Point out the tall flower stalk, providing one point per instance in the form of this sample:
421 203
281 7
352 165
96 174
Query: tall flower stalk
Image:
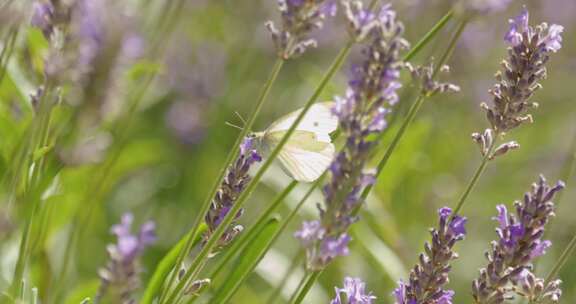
430 275
519 243
299 19
529 51
361 113
235 182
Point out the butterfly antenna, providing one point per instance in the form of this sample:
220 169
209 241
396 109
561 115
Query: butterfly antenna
233 125
240 117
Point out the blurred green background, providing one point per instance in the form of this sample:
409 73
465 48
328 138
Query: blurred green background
212 65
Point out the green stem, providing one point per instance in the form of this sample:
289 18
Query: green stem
307 286
338 61
254 182
566 175
429 35
165 266
417 104
291 269
476 176
240 243
36 140
566 254
277 233
231 156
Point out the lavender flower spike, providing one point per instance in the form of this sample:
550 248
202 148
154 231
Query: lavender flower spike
427 279
529 51
519 243
361 114
232 186
120 277
299 19
354 289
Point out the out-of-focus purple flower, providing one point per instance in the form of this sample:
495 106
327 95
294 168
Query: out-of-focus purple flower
120 278
195 82
525 68
299 19
311 232
355 291
42 15
519 243
361 114
428 277
487 6
231 188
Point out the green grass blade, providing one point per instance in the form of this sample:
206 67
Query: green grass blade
164 268
248 260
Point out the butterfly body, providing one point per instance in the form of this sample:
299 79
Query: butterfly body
309 150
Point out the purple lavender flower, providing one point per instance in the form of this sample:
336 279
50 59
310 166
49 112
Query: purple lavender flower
232 186
120 277
536 290
528 54
354 289
43 13
299 19
361 113
428 277
519 243
487 6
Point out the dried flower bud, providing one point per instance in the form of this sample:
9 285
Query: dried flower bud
504 148
424 75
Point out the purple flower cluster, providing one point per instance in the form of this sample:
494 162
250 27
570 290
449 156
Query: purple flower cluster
519 243
428 277
120 277
232 186
361 114
354 289
299 19
526 66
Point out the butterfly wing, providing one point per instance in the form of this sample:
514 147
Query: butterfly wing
319 120
304 157
309 150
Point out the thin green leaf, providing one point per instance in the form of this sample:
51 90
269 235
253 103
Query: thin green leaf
165 266
248 260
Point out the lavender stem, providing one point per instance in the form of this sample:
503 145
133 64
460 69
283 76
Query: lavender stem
206 205
476 176
239 203
310 280
418 103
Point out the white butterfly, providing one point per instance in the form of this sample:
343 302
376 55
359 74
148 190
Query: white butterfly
309 150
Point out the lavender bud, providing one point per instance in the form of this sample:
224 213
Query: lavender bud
235 181
519 242
197 286
427 279
120 278
361 114
424 76
526 66
354 291
504 148
535 289
299 18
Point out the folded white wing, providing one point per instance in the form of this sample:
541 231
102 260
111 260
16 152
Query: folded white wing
319 119
304 165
